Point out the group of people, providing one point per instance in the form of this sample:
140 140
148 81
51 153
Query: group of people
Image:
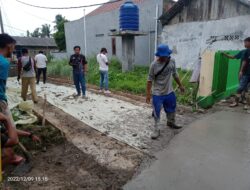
162 70
30 70
159 85
80 69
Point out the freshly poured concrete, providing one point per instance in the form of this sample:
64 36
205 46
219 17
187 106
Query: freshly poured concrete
211 154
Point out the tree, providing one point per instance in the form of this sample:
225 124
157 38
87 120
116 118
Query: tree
28 33
45 31
36 33
59 35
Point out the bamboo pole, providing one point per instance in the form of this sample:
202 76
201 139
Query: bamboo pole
44 109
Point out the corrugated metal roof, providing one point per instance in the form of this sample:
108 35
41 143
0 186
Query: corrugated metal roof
246 2
173 11
178 7
110 7
36 42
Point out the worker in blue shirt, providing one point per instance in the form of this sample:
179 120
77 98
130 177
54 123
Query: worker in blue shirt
7 46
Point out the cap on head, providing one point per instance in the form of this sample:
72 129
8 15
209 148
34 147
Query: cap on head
163 51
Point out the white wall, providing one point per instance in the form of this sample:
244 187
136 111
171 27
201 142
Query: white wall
103 23
189 39
59 55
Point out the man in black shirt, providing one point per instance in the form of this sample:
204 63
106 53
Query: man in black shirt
79 64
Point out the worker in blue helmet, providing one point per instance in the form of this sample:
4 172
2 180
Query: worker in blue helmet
161 73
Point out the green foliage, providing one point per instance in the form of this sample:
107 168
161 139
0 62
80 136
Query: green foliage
60 68
59 35
36 33
131 82
28 33
44 31
50 57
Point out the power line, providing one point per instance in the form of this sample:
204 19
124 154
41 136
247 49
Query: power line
6 18
78 7
38 17
15 28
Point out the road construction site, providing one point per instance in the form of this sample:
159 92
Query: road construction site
106 138
103 142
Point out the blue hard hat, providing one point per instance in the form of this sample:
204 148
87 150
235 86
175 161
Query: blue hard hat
163 51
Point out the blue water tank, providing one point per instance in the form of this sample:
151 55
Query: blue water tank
129 16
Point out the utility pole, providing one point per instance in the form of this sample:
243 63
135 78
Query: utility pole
85 31
1 21
156 26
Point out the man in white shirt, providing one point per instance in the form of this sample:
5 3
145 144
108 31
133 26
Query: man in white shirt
103 67
41 64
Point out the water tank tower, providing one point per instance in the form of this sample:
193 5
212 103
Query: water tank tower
128 29
129 16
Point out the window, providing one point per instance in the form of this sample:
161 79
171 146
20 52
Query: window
99 35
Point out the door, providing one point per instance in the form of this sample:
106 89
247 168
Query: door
114 46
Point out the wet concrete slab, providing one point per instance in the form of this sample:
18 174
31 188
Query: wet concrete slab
211 154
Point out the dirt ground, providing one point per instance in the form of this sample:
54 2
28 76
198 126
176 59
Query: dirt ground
58 164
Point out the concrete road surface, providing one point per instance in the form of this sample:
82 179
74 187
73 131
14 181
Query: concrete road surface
211 154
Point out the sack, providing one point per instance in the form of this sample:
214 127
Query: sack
28 66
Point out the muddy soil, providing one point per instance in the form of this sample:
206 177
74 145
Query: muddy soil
58 164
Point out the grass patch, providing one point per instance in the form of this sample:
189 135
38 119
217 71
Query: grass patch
133 82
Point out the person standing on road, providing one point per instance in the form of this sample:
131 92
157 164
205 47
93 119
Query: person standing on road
244 74
104 68
79 64
41 65
240 56
26 69
160 77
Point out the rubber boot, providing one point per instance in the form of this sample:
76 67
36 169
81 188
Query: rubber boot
171 121
156 132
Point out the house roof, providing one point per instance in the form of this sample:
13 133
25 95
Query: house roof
36 42
246 2
178 7
111 6
173 11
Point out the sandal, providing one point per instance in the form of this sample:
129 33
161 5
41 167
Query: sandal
16 160
233 105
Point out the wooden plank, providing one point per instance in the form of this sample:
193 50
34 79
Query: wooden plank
206 75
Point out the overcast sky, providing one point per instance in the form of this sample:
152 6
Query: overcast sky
22 18
19 18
